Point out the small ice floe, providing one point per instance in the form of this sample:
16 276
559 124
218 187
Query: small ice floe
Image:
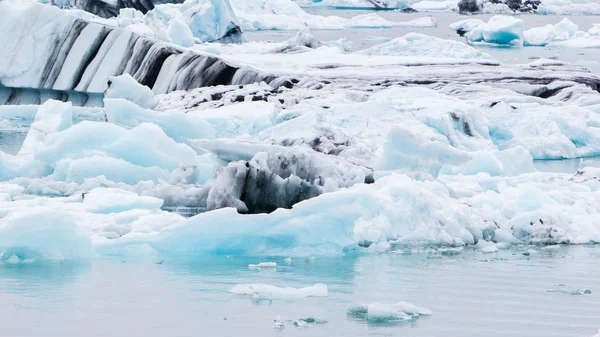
563 289
288 260
261 291
279 323
379 313
299 323
263 265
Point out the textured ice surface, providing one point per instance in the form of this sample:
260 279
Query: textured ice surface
267 265
287 15
499 29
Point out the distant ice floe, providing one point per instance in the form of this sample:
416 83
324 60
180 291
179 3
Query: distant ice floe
269 292
504 30
287 15
381 313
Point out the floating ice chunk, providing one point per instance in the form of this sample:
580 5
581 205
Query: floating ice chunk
500 29
304 38
415 44
268 292
541 36
42 234
266 265
124 86
112 200
377 312
287 260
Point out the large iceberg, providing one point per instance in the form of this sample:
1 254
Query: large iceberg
295 148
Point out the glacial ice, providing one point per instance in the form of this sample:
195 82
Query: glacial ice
541 36
499 29
417 141
269 292
379 313
267 265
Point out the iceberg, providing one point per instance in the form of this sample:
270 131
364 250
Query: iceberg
541 36
427 46
62 55
499 29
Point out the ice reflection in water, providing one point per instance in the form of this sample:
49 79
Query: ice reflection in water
470 294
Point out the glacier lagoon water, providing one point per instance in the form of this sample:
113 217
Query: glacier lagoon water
470 294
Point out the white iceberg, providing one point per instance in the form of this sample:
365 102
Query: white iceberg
499 29
541 36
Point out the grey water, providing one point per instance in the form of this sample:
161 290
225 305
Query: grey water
507 293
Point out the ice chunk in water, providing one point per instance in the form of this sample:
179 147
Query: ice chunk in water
263 265
541 36
261 291
500 29
378 312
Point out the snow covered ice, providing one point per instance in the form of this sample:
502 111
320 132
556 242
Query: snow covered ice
298 134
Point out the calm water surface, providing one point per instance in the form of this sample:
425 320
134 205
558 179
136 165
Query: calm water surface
470 294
